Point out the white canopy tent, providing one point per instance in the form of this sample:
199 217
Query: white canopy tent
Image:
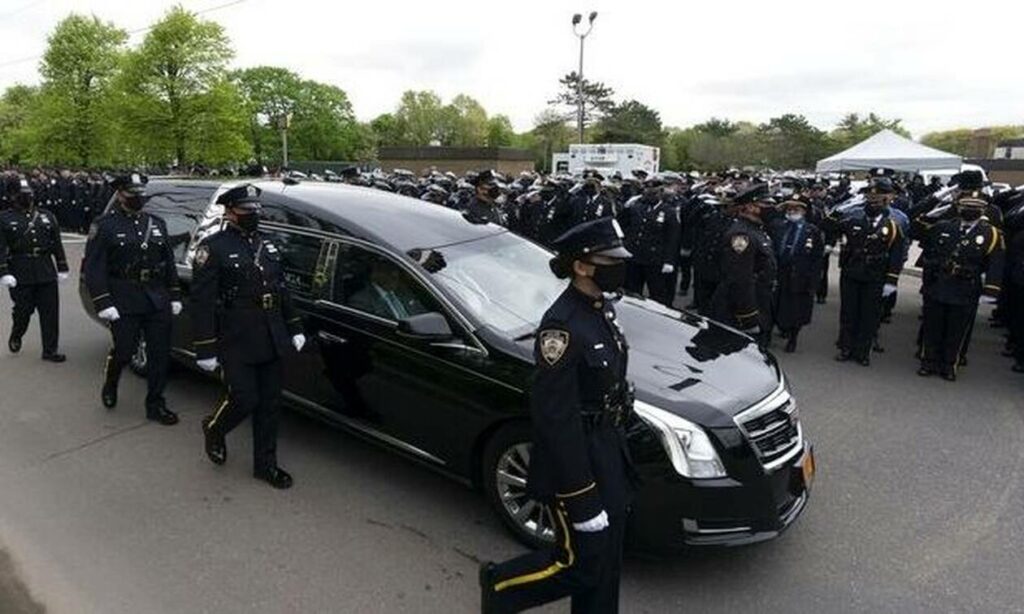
886 149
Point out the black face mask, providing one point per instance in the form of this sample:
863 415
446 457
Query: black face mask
134 202
874 209
249 222
970 214
589 188
610 277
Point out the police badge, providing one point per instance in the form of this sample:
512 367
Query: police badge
553 344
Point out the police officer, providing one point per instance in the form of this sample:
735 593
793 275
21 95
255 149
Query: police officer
709 223
652 227
743 298
870 264
579 465
966 262
799 249
31 262
483 207
245 322
131 277
589 202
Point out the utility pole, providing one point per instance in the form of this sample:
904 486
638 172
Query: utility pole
582 35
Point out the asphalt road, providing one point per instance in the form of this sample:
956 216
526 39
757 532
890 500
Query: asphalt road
916 506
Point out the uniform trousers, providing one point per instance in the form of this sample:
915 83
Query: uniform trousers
661 287
945 331
860 310
252 390
580 565
155 329
42 298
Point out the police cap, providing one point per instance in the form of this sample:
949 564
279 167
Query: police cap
755 194
970 181
245 197
129 182
602 237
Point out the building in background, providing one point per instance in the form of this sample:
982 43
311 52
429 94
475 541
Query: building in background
607 159
1012 149
455 159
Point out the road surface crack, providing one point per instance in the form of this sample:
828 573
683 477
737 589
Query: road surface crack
91 442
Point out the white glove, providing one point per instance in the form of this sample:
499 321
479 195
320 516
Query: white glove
685 253
299 341
595 524
109 314
9 281
988 300
667 268
208 364
63 276
831 249
888 290
175 307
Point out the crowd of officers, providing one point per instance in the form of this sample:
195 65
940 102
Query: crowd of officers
754 251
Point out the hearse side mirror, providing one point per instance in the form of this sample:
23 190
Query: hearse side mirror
427 326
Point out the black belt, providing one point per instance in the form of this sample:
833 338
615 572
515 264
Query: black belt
268 302
35 252
141 276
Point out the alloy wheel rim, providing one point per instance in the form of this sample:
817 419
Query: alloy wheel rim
529 515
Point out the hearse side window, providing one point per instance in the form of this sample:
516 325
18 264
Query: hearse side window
370 283
304 262
273 212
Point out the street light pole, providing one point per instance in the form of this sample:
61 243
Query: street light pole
284 122
582 35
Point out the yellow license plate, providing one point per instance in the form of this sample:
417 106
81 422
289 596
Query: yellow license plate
807 464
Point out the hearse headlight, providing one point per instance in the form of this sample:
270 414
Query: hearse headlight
686 443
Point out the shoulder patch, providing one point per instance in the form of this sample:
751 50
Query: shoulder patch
740 243
553 344
202 255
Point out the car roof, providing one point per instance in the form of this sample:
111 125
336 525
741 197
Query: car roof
381 217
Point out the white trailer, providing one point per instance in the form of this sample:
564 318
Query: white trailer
608 158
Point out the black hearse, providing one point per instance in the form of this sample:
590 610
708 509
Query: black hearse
440 375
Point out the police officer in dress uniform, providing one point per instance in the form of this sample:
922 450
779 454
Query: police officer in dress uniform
580 465
483 207
966 261
870 264
743 298
652 227
799 249
32 260
710 222
131 277
245 322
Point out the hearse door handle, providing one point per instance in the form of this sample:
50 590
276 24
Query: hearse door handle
329 338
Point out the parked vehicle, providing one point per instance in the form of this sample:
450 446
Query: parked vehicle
439 370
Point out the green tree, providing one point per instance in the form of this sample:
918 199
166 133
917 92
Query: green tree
597 99
323 124
550 134
853 129
387 130
15 106
629 122
463 123
420 119
269 93
791 142
966 142
176 93
72 120
500 132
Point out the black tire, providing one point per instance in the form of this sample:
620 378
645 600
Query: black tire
139 363
530 522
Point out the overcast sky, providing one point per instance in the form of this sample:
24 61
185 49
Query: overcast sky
937 65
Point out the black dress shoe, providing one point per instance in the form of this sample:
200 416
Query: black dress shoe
275 476
864 362
216 447
925 372
962 362
949 376
109 395
55 357
163 416
843 356
486 578
14 344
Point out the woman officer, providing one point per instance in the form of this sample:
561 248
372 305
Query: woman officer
580 465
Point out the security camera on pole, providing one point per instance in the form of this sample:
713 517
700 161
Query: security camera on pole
582 34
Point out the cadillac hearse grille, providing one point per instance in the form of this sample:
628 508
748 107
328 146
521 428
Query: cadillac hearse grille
773 427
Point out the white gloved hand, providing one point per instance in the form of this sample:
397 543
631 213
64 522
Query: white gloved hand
9 281
888 290
988 300
299 341
208 364
685 253
667 268
831 249
175 307
595 524
63 276
109 314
